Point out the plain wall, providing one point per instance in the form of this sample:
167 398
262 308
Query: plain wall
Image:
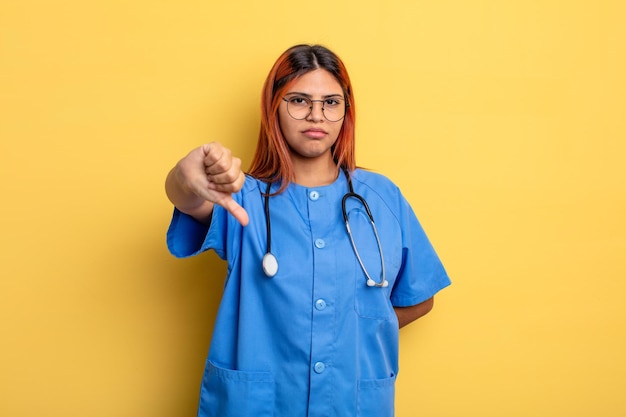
501 121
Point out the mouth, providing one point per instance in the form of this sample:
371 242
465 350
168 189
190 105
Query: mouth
315 133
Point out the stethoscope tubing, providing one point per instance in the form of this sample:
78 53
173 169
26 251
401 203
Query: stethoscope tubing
370 281
270 262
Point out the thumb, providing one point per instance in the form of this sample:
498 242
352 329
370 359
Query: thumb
235 210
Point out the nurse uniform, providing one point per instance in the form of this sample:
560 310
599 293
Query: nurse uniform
314 340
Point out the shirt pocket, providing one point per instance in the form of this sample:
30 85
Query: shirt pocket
372 302
234 393
376 397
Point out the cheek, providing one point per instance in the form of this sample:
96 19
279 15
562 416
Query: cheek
336 131
284 122
281 115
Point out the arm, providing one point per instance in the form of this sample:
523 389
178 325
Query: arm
407 315
208 175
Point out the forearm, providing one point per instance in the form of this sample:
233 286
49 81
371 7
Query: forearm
186 200
407 315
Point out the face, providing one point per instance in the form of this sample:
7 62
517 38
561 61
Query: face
312 137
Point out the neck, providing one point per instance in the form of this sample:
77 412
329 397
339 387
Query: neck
315 173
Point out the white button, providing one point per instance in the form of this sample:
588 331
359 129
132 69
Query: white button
320 304
319 367
319 243
314 195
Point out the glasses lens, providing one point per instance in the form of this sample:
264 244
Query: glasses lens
334 109
299 107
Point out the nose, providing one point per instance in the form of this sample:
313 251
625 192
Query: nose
317 111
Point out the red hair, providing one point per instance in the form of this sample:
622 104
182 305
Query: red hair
271 161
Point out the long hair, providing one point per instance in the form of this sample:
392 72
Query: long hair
271 161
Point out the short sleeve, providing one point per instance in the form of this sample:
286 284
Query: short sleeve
422 274
187 237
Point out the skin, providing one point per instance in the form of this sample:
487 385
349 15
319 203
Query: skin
210 174
310 140
407 315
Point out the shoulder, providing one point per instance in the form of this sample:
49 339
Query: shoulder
380 191
374 181
252 188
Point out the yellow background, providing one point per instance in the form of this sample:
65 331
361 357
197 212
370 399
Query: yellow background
502 121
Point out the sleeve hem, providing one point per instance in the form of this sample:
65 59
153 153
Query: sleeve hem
185 236
407 301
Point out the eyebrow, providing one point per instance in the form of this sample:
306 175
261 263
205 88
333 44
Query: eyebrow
295 93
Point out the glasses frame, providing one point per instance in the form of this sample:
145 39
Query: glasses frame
346 105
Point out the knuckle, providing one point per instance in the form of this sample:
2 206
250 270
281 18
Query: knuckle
222 164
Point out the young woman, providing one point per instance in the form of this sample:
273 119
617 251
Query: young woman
325 261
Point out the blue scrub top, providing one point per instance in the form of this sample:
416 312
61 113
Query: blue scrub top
314 340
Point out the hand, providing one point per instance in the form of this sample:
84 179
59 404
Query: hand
213 174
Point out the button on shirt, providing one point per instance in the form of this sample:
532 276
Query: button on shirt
314 340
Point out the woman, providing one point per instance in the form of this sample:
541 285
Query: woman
309 318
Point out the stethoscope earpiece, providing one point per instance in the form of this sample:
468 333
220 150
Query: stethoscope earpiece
372 283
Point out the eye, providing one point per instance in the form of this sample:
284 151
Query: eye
332 102
299 101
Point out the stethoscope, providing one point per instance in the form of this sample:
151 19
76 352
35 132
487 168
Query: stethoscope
270 263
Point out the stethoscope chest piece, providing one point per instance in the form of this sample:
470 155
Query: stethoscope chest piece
270 264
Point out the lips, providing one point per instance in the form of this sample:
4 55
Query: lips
315 133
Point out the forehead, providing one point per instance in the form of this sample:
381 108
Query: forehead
317 82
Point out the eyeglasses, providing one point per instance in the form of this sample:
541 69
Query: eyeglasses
300 107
